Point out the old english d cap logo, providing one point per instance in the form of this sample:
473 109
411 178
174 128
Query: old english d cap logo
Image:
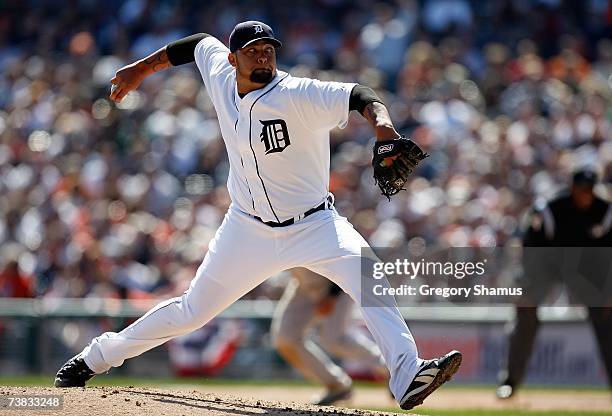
246 33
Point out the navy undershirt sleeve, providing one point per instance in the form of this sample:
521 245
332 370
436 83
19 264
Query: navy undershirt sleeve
361 96
182 51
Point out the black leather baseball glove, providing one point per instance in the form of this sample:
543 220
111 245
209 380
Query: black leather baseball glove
393 162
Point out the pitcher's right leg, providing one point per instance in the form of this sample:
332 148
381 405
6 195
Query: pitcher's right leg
167 320
221 279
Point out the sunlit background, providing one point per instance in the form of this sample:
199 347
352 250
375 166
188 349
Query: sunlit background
99 200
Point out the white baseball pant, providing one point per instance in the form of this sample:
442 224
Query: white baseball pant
243 253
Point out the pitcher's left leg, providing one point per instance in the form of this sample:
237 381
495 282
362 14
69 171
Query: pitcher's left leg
333 248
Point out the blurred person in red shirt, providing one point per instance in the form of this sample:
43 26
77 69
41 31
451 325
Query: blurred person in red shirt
14 283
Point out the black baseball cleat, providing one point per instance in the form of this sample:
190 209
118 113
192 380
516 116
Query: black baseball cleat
431 375
74 373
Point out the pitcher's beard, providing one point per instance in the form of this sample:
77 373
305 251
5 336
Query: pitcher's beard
261 76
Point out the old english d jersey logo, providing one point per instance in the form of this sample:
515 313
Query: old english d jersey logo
274 135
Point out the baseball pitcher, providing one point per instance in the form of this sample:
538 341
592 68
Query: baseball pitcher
276 131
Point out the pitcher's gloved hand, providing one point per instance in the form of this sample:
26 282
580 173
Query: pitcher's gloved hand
393 161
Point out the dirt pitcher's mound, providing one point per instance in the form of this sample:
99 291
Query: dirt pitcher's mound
111 401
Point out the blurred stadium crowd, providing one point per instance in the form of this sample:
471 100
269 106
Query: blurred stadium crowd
101 200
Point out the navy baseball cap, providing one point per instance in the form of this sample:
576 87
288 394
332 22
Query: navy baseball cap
585 177
246 33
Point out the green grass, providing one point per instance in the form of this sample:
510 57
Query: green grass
167 381
115 380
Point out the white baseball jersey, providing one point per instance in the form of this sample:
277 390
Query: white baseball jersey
277 137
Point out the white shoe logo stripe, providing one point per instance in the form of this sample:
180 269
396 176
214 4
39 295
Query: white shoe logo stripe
415 391
430 372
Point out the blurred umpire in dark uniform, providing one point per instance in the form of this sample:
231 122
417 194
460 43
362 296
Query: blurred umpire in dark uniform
566 241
